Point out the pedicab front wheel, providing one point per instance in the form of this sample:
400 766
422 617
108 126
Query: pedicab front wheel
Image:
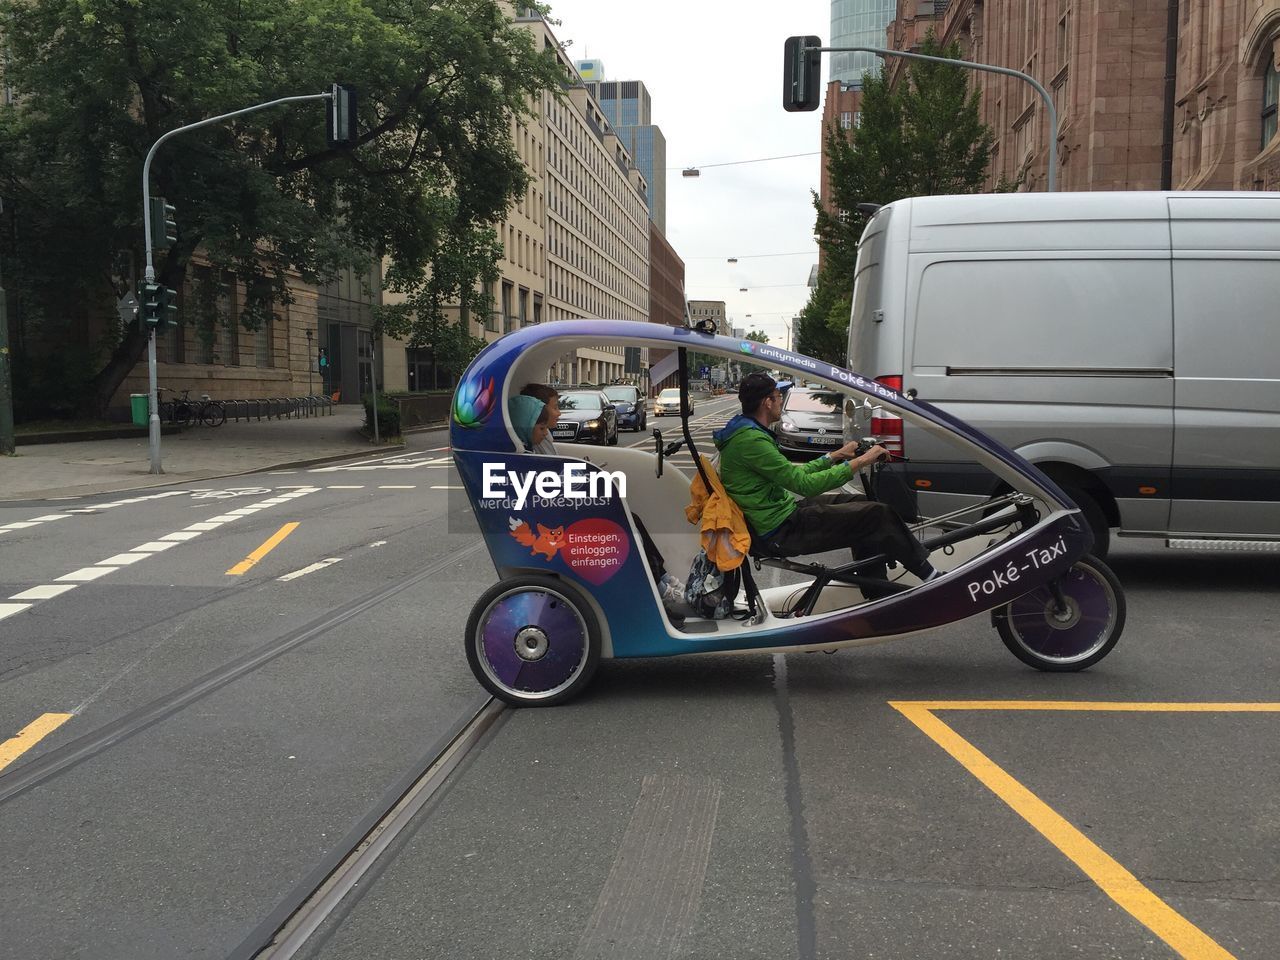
533 641
1072 634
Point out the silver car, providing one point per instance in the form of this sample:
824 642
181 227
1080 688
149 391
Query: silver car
812 421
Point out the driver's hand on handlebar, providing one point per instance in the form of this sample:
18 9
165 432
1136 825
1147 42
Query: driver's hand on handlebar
852 451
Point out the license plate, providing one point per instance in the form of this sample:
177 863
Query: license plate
825 441
562 433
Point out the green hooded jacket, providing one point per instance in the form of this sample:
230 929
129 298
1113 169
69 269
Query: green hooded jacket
757 475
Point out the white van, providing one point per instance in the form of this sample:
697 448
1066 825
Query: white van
1126 343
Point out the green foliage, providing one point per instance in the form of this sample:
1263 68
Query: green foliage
451 343
924 138
98 81
388 416
758 336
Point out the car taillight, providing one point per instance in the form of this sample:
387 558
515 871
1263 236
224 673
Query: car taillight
886 427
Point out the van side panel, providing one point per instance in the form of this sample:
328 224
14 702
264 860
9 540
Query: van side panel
1065 357
1226 282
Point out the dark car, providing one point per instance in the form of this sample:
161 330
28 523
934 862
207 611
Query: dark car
630 404
812 421
586 416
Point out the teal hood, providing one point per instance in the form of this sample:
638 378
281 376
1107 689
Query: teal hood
736 425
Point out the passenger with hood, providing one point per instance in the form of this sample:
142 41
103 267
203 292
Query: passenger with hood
760 479
530 418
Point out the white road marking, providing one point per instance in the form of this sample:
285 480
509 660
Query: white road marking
378 543
358 486
85 574
447 488
311 569
389 486
50 516
45 592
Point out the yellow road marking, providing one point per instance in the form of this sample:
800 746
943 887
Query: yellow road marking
272 542
30 735
1186 939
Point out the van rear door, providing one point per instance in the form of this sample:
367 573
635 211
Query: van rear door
1226 283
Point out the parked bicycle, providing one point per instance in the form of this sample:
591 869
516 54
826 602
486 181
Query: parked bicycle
187 412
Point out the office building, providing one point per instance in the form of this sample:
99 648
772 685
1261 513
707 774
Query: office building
628 108
858 23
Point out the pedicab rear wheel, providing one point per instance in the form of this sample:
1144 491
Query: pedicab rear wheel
1044 635
533 641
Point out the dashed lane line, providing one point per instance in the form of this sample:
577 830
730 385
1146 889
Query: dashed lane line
327 561
50 517
394 486
25 600
273 541
30 735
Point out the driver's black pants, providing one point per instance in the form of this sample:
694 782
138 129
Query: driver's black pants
837 520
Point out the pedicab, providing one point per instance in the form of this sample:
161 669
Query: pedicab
576 584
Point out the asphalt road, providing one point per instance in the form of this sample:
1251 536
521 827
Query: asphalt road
754 806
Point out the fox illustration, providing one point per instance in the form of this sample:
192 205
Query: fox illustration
547 541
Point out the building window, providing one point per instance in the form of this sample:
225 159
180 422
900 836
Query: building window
424 374
846 119
1270 96
1063 45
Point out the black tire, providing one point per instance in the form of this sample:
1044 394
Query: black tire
613 437
1095 518
214 415
1094 621
568 628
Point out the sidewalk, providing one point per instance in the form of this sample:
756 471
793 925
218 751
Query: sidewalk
45 471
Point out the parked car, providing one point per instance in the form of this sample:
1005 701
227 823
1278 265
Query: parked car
812 421
669 402
1124 343
630 404
586 416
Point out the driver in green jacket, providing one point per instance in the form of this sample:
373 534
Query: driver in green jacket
760 479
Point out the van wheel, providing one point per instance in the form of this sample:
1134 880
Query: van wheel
1093 516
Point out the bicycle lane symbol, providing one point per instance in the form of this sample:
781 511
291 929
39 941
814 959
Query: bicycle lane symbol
228 494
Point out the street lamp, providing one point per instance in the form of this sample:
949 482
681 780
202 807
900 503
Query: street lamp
690 172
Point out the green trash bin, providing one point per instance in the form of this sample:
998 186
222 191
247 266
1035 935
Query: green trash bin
138 403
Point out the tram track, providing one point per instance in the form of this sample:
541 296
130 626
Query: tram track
118 731
371 844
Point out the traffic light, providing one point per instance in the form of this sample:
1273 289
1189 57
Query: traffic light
164 226
340 127
152 304
323 360
801 73
168 307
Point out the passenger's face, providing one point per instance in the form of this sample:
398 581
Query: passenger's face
539 433
553 411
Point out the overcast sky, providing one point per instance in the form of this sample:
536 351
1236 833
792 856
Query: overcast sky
714 71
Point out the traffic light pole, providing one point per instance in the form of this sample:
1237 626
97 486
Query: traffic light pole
970 65
154 419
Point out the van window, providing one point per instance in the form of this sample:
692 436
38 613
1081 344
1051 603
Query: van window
1227 323
867 297
1045 315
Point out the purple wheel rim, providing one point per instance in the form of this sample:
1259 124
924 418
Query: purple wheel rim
1044 632
541 667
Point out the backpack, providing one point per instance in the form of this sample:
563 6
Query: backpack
709 590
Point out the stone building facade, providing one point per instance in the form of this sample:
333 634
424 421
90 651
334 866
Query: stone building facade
1150 94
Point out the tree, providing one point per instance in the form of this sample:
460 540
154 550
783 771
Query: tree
758 336
98 81
921 139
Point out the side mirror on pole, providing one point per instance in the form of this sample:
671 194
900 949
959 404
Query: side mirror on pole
801 73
